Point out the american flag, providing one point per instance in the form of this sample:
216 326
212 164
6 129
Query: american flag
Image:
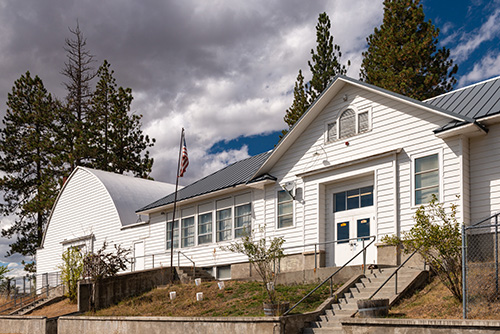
184 159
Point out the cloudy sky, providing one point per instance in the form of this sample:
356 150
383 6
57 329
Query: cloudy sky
223 70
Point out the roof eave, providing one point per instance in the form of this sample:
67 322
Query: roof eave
194 199
469 129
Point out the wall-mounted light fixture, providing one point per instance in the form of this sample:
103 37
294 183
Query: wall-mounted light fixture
289 187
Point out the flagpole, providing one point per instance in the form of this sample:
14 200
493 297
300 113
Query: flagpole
173 215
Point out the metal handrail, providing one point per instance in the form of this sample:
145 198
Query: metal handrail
316 244
29 299
179 261
330 278
484 220
394 273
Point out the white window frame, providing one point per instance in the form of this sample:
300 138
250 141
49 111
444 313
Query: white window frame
231 222
278 215
211 233
182 228
357 112
168 230
237 229
413 189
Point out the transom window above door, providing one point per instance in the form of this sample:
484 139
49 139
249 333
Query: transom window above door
349 123
353 199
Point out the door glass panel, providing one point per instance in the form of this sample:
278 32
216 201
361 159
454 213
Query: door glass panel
343 232
363 228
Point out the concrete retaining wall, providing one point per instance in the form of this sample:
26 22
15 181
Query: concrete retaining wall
27 325
157 325
419 326
114 289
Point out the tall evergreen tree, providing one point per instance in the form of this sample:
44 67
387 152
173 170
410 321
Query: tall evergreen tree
79 73
325 63
27 153
402 54
118 144
300 103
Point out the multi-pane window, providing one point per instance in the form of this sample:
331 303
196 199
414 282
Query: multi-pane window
363 122
187 232
353 199
426 178
349 124
242 220
176 234
205 228
223 224
332 132
285 209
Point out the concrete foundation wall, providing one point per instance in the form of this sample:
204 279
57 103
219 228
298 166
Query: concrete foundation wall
27 325
114 289
290 263
157 325
419 326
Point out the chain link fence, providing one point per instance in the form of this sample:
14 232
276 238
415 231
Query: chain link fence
480 257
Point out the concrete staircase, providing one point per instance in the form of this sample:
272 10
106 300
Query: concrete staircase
346 306
37 304
189 274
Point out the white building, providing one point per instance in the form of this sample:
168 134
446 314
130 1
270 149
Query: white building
358 164
96 206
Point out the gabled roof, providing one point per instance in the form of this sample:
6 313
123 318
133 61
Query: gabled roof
320 103
240 172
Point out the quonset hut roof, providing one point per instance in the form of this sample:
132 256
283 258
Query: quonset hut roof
129 193
240 172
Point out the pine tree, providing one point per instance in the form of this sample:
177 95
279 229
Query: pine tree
27 154
300 104
325 64
119 144
79 73
402 54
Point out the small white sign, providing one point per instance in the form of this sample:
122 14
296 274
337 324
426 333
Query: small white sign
199 296
197 281
220 285
173 294
270 286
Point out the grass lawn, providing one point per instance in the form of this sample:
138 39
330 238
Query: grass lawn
236 299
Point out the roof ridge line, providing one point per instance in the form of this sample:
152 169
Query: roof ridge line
463 88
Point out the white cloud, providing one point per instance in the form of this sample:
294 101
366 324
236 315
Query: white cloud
471 41
487 67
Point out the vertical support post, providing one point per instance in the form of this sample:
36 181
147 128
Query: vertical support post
315 257
178 259
47 283
24 285
364 256
496 253
396 283
464 273
153 260
331 287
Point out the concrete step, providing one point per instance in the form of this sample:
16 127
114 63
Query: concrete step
310 330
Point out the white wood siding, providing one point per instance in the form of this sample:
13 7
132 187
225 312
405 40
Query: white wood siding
394 125
485 174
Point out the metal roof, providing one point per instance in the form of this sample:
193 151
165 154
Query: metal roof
129 192
476 101
240 172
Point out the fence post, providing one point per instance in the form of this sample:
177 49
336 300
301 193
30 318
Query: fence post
464 273
496 253
153 260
